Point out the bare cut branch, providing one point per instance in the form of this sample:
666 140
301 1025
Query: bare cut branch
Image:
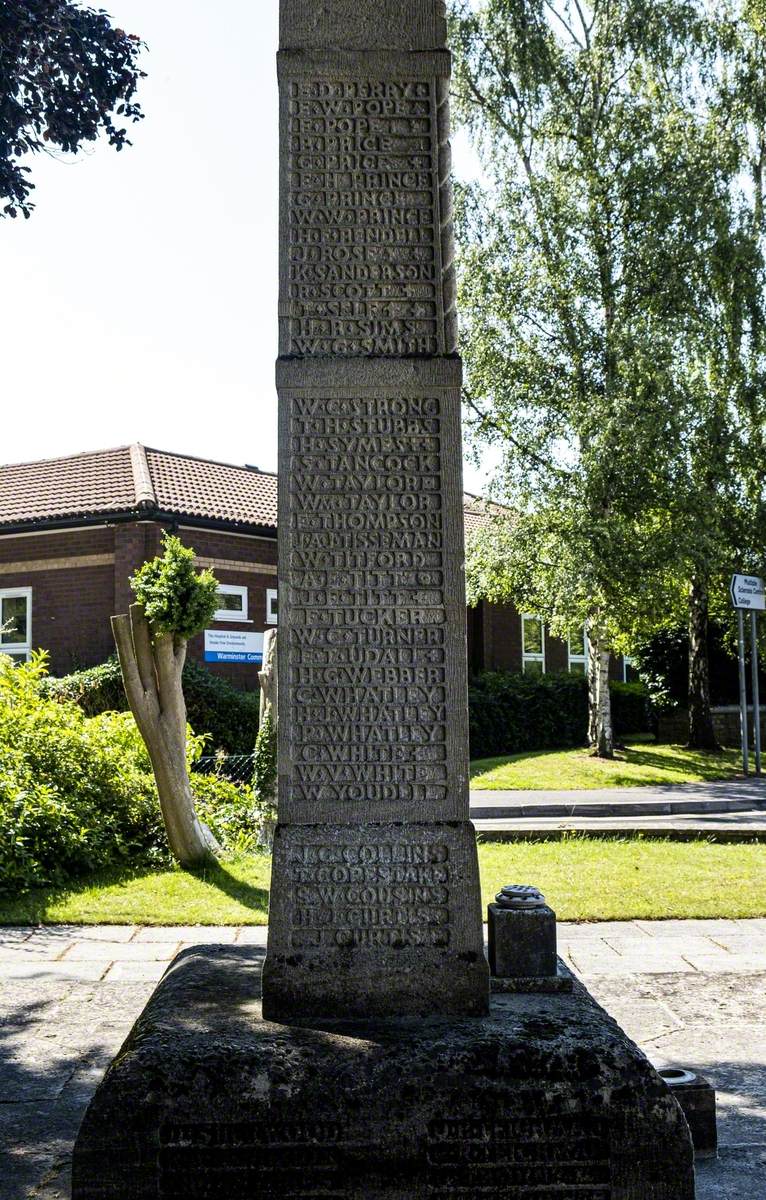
586 28
555 13
140 703
142 643
179 648
164 657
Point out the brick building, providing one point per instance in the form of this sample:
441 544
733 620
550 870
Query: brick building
73 530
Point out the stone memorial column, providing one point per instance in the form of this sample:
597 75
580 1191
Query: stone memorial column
335 1088
375 907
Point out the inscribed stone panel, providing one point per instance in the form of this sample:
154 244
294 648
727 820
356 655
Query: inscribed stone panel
366 268
379 917
373 674
358 24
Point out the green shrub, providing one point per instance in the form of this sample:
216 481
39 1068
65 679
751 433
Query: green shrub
630 708
511 713
95 690
176 598
213 705
77 793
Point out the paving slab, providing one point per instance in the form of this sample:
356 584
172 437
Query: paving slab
190 935
83 971
59 1030
10 935
136 971
701 926
253 935
122 951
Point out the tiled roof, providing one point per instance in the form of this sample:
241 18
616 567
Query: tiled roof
211 490
67 487
135 480
478 512
138 481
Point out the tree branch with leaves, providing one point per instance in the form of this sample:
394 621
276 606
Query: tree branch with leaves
66 76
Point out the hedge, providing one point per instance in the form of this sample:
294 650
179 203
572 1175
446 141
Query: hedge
512 714
77 793
213 705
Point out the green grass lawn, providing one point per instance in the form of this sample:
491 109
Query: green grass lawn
584 878
639 764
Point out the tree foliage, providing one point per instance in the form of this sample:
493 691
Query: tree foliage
607 270
77 793
176 598
66 76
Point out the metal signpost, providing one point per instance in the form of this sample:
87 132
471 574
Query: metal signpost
747 594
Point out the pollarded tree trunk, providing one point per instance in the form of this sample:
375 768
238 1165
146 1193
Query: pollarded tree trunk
152 669
701 731
267 676
265 771
600 733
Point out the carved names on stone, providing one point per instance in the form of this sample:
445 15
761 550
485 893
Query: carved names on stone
366 222
375 905
383 894
367 608
363 218
513 1158
518 1158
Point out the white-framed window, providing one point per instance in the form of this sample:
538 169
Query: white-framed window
578 653
532 645
16 623
232 603
272 607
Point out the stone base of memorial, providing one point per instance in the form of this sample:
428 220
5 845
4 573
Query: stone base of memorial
545 1097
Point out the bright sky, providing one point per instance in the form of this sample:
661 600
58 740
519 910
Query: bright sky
139 302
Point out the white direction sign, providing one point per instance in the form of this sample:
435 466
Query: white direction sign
229 645
747 592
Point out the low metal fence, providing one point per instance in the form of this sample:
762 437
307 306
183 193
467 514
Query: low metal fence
237 768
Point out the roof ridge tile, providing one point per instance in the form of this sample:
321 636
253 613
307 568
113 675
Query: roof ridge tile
142 479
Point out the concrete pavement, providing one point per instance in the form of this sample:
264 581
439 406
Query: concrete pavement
691 993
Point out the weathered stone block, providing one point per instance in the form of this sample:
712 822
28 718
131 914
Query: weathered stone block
367 261
373 722
375 899
696 1096
522 942
371 920
543 1099
356 24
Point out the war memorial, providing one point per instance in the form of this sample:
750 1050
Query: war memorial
371 1055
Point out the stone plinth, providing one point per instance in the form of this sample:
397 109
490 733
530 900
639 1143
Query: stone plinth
522 942
543 1099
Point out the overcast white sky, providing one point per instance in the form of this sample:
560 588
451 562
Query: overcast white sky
139 302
